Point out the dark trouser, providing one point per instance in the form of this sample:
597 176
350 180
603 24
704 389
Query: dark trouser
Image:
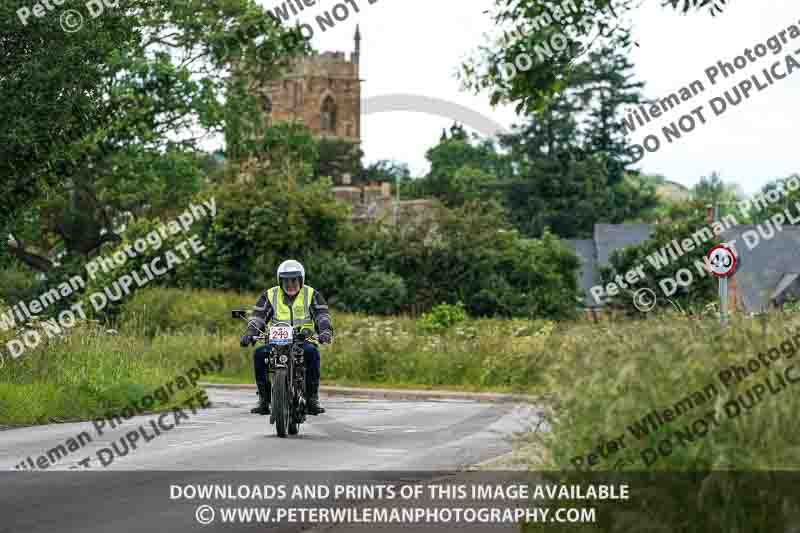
311 357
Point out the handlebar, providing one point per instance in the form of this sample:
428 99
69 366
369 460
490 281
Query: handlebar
264 336
305 334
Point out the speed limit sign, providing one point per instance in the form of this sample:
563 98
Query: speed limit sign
721 261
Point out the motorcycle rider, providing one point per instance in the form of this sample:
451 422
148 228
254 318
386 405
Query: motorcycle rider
298 301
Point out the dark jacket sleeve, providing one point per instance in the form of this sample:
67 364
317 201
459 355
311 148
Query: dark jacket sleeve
320 314
262 313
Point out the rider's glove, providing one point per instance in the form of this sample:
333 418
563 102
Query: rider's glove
325 337
246 341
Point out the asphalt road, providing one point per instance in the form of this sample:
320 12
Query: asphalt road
354 435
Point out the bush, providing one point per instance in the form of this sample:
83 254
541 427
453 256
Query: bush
694 297
260 225
348 287
381 293
469 255
442 317
110 296
18 284
335 276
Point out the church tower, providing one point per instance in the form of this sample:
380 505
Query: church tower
323 91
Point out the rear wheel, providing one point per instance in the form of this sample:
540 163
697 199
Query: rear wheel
280 402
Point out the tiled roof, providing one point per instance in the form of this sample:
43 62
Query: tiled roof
762 262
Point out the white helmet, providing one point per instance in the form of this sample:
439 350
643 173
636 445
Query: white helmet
291 269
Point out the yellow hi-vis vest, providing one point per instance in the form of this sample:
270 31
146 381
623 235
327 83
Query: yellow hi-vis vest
299 313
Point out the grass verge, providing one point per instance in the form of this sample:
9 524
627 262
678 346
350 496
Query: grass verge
163 333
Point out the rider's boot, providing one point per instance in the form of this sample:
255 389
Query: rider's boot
313 407
263 400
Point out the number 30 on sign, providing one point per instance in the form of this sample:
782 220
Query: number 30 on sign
721 261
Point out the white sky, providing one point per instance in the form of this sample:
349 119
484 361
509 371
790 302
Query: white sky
416 46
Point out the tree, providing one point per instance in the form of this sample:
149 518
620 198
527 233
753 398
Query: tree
568 160
673 200
604 84
384 170
713 190
695 296
51 98
463 168
338 157
787 199
469 254
566 195
166 74
533 28
259 226
472 254
290 153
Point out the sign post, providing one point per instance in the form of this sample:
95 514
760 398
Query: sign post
721 263
722 286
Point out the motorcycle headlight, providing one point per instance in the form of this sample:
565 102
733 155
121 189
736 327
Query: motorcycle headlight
283 359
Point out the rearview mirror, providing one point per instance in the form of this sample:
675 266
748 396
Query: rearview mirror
238 313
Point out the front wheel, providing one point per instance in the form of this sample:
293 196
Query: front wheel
280 402
294 425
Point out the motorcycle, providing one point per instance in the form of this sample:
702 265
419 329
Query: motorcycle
286 362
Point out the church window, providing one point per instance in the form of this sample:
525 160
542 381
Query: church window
297 89
267 108
329 115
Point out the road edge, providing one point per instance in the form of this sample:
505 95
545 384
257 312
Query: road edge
400 394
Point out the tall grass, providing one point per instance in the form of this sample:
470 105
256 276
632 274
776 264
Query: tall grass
367 349
162 333
608 377
87 373
719 477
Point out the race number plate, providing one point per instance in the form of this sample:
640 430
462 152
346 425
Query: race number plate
280 335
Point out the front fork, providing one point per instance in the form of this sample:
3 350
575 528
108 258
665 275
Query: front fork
296 387
299 394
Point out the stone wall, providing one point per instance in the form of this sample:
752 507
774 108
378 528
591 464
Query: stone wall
375 203
302 94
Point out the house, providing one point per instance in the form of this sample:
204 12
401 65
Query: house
594 253
767 274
